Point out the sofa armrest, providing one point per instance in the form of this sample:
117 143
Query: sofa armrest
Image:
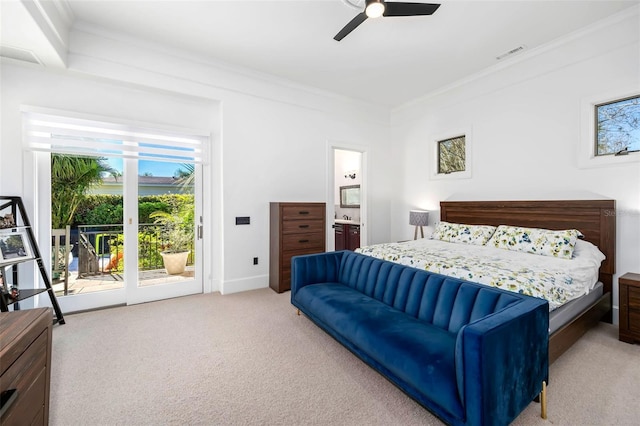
502 360
314 268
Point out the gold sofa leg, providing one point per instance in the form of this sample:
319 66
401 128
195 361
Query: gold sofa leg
298 312
543 401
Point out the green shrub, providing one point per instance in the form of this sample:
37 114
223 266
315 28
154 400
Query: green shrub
145 208
108 209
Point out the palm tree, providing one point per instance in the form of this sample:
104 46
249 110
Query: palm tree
71 178
186 176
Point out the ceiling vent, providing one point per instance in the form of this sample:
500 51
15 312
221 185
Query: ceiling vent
19 54
512 52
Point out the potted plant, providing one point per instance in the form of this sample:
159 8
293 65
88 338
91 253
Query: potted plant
178 234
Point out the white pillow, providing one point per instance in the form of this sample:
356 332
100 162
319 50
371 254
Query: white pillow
587 251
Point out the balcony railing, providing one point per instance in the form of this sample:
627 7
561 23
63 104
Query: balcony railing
101 248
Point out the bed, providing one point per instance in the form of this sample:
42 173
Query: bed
571 314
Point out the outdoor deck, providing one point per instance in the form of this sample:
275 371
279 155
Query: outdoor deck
110 281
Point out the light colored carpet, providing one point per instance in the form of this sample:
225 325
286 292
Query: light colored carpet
248 359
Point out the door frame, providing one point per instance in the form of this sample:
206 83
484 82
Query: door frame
332 146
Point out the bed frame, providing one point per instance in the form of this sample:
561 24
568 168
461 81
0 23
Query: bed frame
596 219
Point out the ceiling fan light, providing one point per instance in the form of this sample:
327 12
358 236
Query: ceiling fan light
374 9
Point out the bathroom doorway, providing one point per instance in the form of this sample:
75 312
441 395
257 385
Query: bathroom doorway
347 208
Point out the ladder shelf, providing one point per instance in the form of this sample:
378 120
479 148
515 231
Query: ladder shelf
18 246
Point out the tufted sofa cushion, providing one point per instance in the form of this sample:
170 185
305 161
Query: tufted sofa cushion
445 302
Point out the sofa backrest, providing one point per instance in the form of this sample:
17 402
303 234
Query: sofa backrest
446 302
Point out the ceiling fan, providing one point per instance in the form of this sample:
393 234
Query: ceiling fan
377 8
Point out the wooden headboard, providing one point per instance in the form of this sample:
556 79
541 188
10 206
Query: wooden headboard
596 219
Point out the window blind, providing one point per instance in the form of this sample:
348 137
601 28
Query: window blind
78 136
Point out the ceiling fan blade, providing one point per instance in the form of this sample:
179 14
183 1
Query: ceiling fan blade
352 25
409 9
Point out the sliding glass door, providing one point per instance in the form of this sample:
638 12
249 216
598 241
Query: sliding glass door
125 219
127 235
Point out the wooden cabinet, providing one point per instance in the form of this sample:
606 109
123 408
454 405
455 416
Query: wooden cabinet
295 229
347 236
629 302
340 239
353 237
25 366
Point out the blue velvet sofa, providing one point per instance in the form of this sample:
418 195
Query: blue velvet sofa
469 353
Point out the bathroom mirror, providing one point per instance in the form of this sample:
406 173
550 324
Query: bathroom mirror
350 196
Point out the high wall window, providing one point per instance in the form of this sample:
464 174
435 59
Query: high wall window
617 126
451 155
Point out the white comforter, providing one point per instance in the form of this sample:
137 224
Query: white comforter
556 280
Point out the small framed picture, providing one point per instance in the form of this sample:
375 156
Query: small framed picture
14 247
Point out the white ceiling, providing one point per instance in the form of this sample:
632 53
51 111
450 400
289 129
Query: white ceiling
386 61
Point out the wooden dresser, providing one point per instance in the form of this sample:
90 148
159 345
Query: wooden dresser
295 228
25 366
629 302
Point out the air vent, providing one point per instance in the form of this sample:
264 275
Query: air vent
19 54
512 52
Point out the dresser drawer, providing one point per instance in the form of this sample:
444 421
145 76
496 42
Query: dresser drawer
285 274
303 226
303 242
634 298
28 376
634 321
302 212
28 408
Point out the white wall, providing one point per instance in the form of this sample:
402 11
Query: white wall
526 129
269 138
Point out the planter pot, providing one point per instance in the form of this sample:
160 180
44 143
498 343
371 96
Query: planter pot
175 263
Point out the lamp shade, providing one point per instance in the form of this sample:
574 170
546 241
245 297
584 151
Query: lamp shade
418 217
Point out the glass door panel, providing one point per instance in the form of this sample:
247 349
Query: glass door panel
86 225
166 205
166 211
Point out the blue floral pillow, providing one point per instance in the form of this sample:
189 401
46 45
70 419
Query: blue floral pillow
537 241
460 233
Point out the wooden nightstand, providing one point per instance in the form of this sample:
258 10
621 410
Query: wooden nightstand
629 302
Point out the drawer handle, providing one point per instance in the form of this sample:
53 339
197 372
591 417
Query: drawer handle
303 212
7 398
303 241
303 226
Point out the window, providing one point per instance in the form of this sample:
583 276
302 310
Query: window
452 155
617 126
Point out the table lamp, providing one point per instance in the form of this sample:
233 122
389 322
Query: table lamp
418 218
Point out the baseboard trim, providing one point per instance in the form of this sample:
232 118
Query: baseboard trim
244 284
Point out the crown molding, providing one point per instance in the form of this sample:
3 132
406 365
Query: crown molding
631 12
54 18
204 61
